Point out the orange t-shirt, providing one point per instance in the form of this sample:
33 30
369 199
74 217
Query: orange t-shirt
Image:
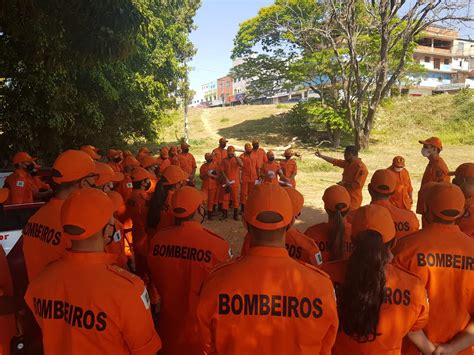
405 309
179 260
249 170
260 156
219 155
401 196
187 162
298 245
405 221
7 321
40 184
289 167
231 169
85 305
353 176
43 241
320 234
436 171
443 257
21 186
270 166
174 160
466 222
137 210
267 303
207 182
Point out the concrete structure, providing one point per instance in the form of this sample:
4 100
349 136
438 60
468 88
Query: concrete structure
225 91
239 84
209 91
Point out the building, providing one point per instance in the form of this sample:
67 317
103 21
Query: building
239 85
209 91
225 91
447 59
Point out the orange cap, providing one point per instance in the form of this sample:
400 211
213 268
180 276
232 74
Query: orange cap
113 153
186 200
383 181
126 153
85 213
336 198
297 200
248 147
139 174
164 153
117 200
144 150
375 218
185 145
174 174
149 160
72 165
230 149
4 193
445 201
91 152
269 198
434 141
22 157
106 174
130 161
398 161
223 140
289 153
464 171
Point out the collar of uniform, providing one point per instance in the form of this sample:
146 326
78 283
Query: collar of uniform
443 227
384 203
87 258
21 172
275 252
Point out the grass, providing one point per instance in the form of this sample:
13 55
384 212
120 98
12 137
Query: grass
224 120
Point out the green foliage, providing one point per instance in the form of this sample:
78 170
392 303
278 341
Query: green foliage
85 72
224 119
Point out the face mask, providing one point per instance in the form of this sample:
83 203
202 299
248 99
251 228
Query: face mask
209 160
255 146
223 145
30 167
117 159
271 159
185 150
397 169
425 152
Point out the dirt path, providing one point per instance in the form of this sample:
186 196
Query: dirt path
207 125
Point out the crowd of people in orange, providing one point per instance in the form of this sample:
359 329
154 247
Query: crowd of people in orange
118 260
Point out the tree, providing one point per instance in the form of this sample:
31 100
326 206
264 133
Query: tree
89 72
351 52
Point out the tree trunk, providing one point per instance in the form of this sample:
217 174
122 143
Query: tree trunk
361 139
336 138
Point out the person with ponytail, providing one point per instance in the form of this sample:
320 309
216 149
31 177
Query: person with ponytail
378 303
334 237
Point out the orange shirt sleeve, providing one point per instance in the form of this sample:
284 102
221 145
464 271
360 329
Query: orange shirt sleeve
340 163
205 319
424 308
193 162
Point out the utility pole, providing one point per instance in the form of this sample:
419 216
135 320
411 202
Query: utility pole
186 94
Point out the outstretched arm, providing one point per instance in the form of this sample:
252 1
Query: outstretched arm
325 157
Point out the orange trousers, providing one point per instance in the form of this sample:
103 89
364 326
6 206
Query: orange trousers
245 191
233 195
211 198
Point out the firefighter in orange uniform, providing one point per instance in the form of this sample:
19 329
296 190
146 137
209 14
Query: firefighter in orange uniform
106 177
334 237
42 190
187 162
151 164
180 258
115 159
289 167
20 183
379 304
464 178
143 152
43 242
443 257
220 153
116 244
91 151
403 195
163 160
259 155
83 303
249 175
381 187
230 170
209 174
266 302
125 186
298 245
173 156
436 170
354 174
270 171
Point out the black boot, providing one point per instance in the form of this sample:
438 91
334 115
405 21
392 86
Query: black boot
242 209
224 215
209 215
236 214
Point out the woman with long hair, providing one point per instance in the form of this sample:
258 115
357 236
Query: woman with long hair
334 237
378 303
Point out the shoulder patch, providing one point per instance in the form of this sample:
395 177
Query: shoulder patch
20 183
129 185
319 258
145 298
133 279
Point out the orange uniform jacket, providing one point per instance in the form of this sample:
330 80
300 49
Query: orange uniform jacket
289 168
21 186
187 162
405 309
260 156
267 303
40 184
320 234
219 154
436 171
163 164
466 222
7 321
207 182
117 247
231 169
125 187
117 167
270 166
43 242
180 258
85 305
401 197
443 257
298 245
137 210
405 221
354 176
249 170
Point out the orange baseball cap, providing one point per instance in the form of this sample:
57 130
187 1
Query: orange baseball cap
91 147
106 174
248 147
174 174
139 174
149 160
230 149
91 152
72 165
423 195
144 150
113 153
130 161
4 193
85 213
288 152
269 198
126 153
375 218
117 200
186 200
223 140
464 171
22 157
445 201
398 161
297 200
434 141
164 153
336 198
383 181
